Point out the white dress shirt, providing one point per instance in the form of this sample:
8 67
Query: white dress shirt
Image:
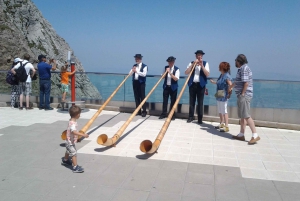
169 78
197 71
138 72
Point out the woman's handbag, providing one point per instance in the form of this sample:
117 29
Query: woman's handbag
220 94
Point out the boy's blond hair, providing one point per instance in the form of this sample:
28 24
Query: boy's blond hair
63 68
74 111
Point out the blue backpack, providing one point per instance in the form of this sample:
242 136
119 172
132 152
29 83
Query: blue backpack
11 78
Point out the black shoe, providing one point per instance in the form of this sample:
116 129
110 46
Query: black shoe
173 118
67 162
190 119
162 116
139 113
49 108
200 122
144 114
41 108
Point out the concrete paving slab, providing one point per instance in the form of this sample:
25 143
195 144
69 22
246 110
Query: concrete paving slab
191 158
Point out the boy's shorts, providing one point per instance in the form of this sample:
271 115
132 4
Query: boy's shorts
65 88
71 149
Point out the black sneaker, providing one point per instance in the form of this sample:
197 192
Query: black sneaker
67 162
78 169
41 108
49 108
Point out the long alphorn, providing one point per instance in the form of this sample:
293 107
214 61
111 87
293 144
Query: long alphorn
89 123
104 140
147 146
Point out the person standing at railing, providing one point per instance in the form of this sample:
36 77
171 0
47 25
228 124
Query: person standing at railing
197 83
15 92
170 86
244 89
45 81
139 82
223 94
65 81
25 86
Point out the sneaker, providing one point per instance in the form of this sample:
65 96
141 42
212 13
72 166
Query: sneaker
239 138
224 129
49 108
20 108
67 162
220 126
253 140
78 169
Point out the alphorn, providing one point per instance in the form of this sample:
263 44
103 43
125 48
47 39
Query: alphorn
89 123
105 141
147 146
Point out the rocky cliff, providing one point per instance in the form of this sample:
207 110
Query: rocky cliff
23 29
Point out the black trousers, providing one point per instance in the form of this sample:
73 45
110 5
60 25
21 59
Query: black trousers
139 93
168 92
196 91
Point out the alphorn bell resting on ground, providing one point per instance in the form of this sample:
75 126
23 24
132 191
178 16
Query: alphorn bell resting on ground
139 82
170 86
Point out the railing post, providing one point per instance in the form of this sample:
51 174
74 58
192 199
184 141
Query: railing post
73 95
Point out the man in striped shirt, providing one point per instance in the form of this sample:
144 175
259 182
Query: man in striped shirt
244 89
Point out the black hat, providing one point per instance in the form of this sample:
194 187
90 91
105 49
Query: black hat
139 56
41 56
199 52
171 58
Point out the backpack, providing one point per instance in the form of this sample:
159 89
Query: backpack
21 73
35 75
11 78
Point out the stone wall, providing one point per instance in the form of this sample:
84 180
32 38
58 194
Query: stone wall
23 29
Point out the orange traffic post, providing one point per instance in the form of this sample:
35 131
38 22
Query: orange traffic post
73 95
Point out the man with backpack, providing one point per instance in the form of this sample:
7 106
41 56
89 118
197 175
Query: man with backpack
22 72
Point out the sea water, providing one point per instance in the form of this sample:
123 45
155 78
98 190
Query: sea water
267 94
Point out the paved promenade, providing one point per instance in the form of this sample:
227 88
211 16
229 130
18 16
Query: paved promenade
194 162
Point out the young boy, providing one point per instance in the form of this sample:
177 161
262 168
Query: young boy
72 136
65 81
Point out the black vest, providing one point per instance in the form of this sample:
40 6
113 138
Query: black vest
140 78
174 84
202 77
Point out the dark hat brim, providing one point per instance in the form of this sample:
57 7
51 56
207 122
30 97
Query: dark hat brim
199 52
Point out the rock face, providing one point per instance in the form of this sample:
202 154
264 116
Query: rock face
23 29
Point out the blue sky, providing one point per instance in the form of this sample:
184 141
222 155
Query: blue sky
106 34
